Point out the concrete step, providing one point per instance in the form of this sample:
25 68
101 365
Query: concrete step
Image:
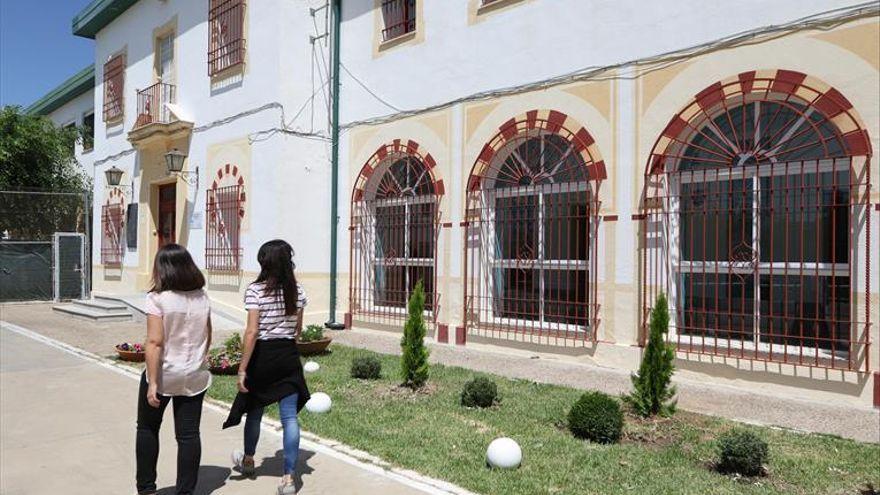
92 314
101 304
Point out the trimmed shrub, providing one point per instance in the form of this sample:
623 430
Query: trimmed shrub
414 359
596 417
311 333
742 452
366 367
652 390
479 392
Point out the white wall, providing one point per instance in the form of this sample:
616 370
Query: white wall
73 112
289 177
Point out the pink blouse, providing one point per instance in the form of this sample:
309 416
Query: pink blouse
185 324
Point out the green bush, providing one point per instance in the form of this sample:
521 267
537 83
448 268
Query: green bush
596 417
479 392
311 333
414 359
742 452
232 345
366 367
652 390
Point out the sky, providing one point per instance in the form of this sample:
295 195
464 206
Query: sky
38 51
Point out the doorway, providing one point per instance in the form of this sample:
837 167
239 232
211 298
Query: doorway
167 213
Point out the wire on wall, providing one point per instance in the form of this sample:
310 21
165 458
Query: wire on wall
824 21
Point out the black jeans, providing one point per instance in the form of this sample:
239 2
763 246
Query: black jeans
187 416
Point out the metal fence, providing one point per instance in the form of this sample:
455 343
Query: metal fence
44 245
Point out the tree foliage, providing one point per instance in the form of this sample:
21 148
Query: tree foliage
652 390
414 360
35 155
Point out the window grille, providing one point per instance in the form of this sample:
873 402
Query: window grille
224 209
754 224
114 88
112 220
226 32
531 236
399 18
394 229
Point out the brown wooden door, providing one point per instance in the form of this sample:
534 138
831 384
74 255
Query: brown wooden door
167 213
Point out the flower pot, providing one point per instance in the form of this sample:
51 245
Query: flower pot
232 369
131 356
314 347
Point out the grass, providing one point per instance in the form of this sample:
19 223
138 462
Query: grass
432 434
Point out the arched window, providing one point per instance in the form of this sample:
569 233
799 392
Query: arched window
754 195
532 206
394 229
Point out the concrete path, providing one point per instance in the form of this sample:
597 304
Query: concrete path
68 427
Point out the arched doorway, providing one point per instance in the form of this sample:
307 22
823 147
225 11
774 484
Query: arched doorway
755 211
394 226
531 233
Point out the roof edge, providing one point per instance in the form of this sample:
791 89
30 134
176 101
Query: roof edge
76 85
97 15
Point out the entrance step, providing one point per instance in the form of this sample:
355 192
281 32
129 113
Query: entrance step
101 304
98 311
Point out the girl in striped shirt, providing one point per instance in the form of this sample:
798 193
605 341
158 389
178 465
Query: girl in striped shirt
270 369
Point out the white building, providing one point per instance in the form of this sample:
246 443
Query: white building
545 167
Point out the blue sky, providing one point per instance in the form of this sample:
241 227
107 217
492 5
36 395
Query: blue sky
37 49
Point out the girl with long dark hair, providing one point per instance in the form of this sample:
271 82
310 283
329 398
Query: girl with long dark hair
178 338
270 369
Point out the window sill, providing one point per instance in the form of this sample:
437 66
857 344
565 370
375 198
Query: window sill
397 41
487 8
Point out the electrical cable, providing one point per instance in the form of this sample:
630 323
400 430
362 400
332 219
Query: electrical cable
823 21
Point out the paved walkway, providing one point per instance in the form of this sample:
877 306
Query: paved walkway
68 427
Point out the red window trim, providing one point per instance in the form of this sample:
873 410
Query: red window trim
367 302
551 319
847 153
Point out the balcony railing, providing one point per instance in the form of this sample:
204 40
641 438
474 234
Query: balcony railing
151 104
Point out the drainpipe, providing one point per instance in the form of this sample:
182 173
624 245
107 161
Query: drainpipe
336 13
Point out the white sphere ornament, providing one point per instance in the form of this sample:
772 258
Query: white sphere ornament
504 453
311 367
319 403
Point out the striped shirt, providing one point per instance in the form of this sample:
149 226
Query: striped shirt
274 324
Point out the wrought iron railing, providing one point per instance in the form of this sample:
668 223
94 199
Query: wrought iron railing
152 106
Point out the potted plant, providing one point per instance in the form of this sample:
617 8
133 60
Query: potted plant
225 360
131 352
312 340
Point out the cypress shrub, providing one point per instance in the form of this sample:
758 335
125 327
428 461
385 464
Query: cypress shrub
414 359
652 390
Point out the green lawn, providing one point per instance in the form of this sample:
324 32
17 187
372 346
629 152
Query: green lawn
432 434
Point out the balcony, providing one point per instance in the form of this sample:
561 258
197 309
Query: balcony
158 115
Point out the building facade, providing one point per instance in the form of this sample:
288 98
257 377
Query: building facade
547 169
544 168
234 89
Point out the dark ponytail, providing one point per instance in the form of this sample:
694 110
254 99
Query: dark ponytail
276 271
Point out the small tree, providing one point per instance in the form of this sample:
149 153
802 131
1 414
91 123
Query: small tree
652 390
414 360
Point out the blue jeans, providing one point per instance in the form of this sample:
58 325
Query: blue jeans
287 410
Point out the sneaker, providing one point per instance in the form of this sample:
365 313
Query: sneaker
287 486
244 464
